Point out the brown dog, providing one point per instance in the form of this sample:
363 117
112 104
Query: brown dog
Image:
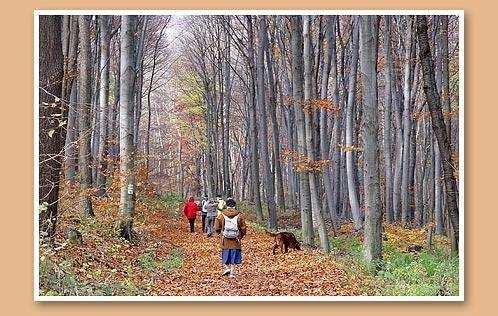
284 241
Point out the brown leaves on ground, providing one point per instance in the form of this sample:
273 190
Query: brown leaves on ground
304 272
105 258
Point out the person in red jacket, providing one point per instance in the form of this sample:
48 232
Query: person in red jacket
190 210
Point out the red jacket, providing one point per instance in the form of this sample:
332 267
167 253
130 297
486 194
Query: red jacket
191 208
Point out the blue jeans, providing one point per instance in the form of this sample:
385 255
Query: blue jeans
231 256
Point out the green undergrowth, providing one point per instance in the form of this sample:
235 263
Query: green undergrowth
399 273
148 262
59 279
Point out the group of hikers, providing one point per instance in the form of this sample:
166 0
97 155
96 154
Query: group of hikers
220 216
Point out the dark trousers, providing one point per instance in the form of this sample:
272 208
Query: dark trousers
204 222
191 222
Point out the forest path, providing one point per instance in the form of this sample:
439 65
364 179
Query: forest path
305 272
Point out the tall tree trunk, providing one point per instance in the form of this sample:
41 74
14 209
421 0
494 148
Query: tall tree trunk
84 104
227 97
372 241
316 205
445 83
279 186
51 108
438 126
103 100
353 193
149 92
387 123
252 122
70 51
325 121
138 79
405 197
263 130
297 93
126 106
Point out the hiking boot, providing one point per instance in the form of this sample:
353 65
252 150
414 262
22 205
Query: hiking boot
231 275
226 272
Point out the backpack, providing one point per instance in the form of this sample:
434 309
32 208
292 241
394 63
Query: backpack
221 204
231 227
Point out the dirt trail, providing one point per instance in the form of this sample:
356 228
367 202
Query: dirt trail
304 272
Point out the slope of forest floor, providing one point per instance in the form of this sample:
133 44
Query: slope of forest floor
167 260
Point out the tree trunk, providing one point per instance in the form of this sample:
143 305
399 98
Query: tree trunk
138 80
70 151
126 106
84 104
103 100
297 93
438 126
69 50
149 92
405 197
51 109
388 207
252 123
316 205
270 62
353 193
329 64
372 242
227 97
263 130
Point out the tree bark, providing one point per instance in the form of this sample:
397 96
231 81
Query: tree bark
270 62
405 197
388 207
51 109
316 205
372 241
353 193
252 122
438 126
84 104
263 130
104 101
70 51
126 107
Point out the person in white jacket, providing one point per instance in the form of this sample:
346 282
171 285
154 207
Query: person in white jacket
210 207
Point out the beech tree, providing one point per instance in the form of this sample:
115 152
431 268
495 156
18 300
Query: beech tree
84 105
438 126
372 239
300 118
126 106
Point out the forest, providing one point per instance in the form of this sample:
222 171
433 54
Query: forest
341 129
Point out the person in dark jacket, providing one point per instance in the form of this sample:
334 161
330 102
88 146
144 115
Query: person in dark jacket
190 210
231 225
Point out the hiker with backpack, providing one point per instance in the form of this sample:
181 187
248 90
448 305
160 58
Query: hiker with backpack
232 227
210 207
190 210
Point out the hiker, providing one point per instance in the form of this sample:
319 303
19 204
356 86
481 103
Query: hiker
190 210
210 216
204 204
232 227
221 204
